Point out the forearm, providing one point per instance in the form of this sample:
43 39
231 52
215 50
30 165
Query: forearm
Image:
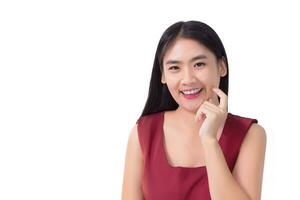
222 185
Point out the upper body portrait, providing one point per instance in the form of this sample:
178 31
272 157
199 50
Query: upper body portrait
186 144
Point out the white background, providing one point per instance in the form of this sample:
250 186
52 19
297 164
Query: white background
74 78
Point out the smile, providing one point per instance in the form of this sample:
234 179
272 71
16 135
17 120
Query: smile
191 94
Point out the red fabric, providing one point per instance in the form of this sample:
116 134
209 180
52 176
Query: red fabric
161 181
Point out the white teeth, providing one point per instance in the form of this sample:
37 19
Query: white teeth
193 91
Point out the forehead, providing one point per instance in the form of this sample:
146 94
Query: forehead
184 49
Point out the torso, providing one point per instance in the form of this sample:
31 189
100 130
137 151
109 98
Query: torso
184 150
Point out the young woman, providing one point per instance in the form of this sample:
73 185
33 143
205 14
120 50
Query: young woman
186 145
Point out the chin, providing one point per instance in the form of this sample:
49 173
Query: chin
190 108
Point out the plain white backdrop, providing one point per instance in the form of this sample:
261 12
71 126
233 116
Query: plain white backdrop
74 78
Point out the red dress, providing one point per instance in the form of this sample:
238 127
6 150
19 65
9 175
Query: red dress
161 181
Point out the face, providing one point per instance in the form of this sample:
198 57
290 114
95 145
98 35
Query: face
187 65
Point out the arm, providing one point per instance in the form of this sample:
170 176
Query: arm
246 180
133 170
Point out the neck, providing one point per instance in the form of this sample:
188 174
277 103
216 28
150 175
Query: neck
186 120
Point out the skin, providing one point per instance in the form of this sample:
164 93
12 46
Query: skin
193 130
186 73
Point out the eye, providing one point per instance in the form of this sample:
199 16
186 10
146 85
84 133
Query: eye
199 64
173 67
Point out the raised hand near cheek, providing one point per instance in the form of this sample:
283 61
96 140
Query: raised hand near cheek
214 116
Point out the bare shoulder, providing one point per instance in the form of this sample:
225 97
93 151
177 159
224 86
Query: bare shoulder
134 143
255 137
133 169
133 139
248 169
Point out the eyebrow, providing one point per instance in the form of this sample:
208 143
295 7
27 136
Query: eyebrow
193 59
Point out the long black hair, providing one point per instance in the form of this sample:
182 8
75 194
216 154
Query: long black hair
159 98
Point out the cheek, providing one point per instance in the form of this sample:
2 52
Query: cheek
208 77
172 84
173 88
210 81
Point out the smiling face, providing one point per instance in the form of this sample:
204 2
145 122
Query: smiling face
187 64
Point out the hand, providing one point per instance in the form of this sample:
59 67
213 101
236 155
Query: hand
214 116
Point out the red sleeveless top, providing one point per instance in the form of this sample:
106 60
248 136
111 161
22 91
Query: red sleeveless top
161 181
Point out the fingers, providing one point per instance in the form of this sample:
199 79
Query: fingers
201 111
208 107
223 98
210 103
204 110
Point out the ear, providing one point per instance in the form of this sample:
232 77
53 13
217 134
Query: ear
163 78
222 68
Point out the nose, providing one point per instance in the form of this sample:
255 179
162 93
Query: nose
188 77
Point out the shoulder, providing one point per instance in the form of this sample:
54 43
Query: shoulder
148 122
133 140
133 169
256 135
248 170
238 119
254 131
258 130
150 116
134 157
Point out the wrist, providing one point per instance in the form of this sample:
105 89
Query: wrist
209 141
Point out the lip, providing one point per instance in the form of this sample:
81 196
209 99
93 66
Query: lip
191 96
189 89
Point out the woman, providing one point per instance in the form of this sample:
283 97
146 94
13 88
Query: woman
186 145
